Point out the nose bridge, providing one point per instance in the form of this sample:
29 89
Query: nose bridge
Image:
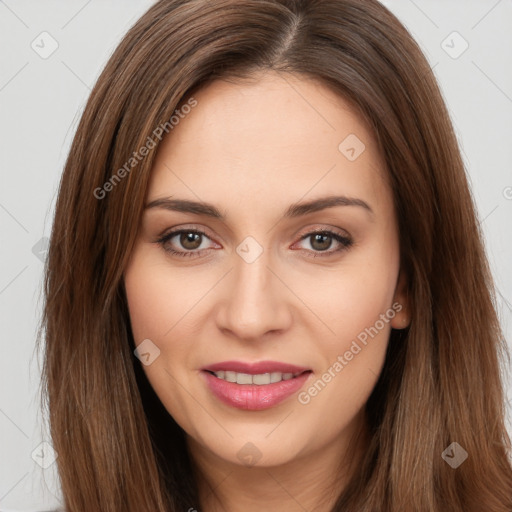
255 300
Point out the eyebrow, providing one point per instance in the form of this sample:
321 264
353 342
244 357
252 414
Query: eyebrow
293 211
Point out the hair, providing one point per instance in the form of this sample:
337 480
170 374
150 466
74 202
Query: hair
118 448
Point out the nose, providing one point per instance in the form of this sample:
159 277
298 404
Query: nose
255 301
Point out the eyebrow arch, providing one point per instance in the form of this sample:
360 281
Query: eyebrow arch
293 211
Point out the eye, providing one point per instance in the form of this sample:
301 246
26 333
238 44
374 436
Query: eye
321 240
190 240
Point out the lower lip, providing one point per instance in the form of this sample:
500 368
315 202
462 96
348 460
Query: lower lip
251 396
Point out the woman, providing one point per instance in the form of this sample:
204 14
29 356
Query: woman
266 286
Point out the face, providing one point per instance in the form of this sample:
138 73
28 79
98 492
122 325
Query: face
309 293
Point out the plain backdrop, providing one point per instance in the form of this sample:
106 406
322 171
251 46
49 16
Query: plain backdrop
52 52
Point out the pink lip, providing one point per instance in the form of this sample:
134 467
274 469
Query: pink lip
255 368
252 396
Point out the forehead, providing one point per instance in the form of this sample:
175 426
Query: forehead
266 144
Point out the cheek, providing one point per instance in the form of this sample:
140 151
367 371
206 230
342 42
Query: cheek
352 297
157 298
352 358
357 309
156 304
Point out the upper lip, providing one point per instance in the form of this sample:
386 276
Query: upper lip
255 368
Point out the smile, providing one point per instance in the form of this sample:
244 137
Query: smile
260 379
253 392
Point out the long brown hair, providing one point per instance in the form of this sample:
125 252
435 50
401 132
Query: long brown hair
118 448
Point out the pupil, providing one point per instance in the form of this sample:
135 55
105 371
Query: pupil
190 240
318 238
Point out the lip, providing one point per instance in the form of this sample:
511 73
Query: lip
255 368
251 396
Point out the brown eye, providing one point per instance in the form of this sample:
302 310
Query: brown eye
190 240
322 240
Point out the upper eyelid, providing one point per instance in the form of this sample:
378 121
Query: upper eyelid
176 231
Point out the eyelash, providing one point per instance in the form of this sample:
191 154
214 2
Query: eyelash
345 242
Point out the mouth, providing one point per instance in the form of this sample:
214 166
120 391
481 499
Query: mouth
254 386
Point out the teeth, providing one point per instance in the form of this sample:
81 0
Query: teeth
275 377
243 378
260 379
230 376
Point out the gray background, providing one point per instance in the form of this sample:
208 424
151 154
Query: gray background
42 97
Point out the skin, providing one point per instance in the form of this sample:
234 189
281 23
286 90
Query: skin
253 149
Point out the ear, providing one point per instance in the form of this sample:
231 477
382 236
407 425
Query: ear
402 318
